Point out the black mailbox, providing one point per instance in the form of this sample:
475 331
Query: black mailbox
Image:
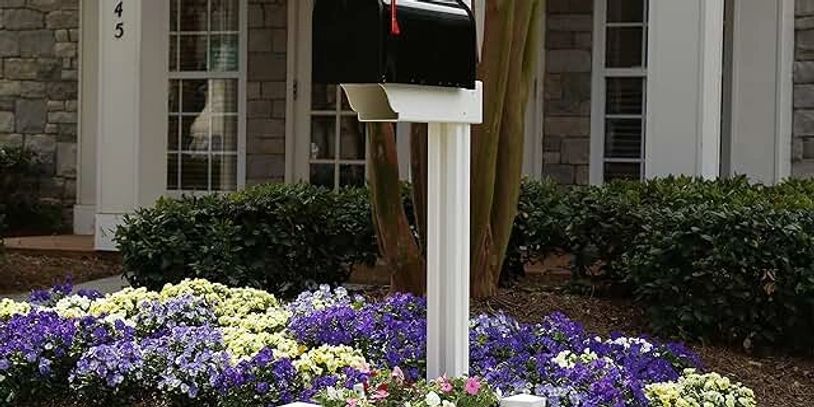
420 42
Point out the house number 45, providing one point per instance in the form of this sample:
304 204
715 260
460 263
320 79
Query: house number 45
118 29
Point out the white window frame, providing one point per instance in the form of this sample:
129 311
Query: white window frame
241 76
600 74
298 128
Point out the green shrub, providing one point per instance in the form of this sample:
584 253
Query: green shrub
606 220
740 274
724 259
20 203
538 229
282 238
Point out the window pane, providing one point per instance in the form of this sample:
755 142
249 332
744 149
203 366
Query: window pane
323 97
323 175
194 172
626 11
195 133
625 96
323 141
173 95
173 53
623 171
352 175
225 15
193 95
194 15
624 47
352 139
224 96
173 15
224 133
224 54
172 133
224 173
623 138
193 53
172 171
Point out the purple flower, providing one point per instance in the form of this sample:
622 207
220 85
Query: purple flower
259 381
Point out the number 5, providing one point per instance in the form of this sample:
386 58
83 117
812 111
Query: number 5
119 31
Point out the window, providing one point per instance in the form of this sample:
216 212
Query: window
620 77
205 96
338 141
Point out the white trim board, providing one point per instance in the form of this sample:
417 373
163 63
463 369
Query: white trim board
761 94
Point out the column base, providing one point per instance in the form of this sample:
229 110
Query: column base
84 220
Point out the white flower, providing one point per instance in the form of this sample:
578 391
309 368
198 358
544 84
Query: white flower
334 394
447 404
432 399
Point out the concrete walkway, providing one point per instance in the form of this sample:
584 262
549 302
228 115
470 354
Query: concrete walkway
105 286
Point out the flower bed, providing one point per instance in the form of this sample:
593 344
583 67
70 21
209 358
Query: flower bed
205 344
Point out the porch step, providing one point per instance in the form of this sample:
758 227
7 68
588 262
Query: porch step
59 245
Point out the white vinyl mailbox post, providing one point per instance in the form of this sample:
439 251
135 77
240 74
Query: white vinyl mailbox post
415 61
450 112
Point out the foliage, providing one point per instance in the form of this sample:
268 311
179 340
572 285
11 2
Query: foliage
171 348
540 225
281 238
21 209
723 259
737 274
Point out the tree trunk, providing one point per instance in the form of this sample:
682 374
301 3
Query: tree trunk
505 19
509 168
397 247
418 166
511 41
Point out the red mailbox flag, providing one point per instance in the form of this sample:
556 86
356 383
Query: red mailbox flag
394 21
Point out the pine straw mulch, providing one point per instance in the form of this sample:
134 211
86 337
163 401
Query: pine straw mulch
778 380
20 273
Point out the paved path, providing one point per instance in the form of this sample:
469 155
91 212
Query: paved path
105 286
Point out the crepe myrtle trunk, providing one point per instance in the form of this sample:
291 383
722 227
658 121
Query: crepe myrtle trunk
509 59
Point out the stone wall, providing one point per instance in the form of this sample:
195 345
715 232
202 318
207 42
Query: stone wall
803 137
567 88
39 87
265 138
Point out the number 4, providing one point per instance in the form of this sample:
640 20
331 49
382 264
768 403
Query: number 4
119 9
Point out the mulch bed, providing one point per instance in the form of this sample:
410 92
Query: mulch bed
778 380
21 273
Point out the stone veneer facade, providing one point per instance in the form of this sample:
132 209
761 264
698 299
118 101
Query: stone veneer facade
803 137
567 90
39 41
266 91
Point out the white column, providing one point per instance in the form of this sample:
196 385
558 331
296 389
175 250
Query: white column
761 92
131 130
448 208
85 208
684 87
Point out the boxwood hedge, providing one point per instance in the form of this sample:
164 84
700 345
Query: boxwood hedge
282 238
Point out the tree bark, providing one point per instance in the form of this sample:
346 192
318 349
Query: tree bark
507 69
397 246
509 168
494 70
418 169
